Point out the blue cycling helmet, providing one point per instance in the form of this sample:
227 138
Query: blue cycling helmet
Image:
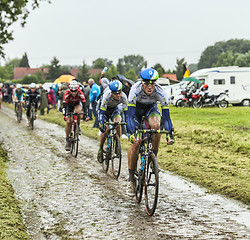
115 86
149 75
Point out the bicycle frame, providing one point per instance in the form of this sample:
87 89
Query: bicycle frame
112 151
147 174
74 134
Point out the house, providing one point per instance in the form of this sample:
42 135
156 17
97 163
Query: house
20 72
172 78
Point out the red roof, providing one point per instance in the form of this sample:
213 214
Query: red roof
20 72
169 76
74 71
95 71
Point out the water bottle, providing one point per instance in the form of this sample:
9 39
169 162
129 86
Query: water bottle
142 162
104 70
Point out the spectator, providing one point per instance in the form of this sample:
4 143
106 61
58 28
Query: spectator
9 90
61 94
93 95
55 89
43 99
86 93
5 93
51 99
59 100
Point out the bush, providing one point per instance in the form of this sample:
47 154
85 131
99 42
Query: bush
30 79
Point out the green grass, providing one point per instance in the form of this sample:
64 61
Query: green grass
11 223
212 147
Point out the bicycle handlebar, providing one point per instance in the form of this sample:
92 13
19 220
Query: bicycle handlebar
152 131
75 114
115 123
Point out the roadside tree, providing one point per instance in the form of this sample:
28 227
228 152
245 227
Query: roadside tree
179 68
131 74
24 61
55 70
101 63
83 75
131 61
10 12
210 55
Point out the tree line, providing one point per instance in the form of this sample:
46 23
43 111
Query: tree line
234 52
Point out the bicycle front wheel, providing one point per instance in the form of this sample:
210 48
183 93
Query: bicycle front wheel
139 180
116 156
32 118
151 184
75 140
18 112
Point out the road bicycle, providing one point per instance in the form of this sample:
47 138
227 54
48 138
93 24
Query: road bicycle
112 150
74 134
147 172
18 110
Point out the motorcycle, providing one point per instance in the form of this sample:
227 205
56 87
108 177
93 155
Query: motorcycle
188 99
210 101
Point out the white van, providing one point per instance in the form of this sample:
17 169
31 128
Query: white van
234 79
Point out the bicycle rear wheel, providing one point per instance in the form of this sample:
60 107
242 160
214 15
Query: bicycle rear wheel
139 180
151 184
116 156
75 140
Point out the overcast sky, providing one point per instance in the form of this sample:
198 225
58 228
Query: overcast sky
159 30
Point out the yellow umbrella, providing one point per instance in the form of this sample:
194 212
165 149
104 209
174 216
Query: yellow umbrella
64 79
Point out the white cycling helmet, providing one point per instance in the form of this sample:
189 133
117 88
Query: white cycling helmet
32 85
19 86
73 86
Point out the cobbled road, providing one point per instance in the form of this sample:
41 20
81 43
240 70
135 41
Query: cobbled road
63 197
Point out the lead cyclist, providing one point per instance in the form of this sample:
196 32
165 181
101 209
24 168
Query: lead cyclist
142 101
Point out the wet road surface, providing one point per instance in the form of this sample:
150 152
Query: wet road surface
72 198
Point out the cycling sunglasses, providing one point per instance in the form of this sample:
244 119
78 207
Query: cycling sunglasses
74 90
117 93
147 83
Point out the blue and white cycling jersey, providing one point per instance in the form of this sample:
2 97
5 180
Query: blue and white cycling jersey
137 95
108 101
108 105
139 104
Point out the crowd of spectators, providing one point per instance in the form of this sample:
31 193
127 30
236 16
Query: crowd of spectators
52 97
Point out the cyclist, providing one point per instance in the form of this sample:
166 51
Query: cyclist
142 102
108 109
73 101
32 96
19 95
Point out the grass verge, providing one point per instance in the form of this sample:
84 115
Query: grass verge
11 223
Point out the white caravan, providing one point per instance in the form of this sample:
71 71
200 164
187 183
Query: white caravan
234 79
